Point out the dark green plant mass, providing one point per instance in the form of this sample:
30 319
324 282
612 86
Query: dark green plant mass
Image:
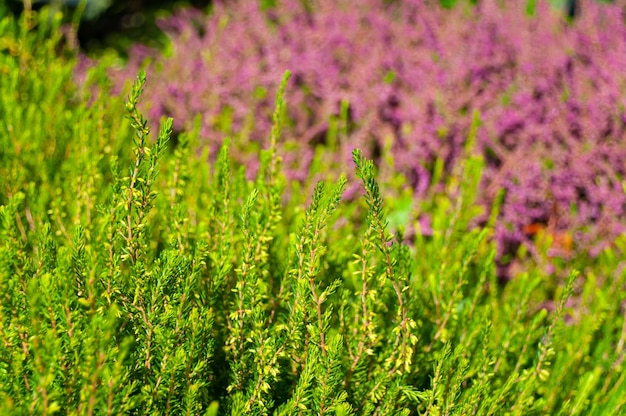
136 278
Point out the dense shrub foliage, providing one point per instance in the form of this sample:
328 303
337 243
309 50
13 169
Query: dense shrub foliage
402 80
137 278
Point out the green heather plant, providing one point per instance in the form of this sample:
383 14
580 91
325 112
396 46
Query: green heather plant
136 278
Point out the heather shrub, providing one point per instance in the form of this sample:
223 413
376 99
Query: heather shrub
137 278
401 80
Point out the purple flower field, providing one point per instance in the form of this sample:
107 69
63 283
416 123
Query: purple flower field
403 80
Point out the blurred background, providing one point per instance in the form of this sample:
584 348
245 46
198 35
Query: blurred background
118 24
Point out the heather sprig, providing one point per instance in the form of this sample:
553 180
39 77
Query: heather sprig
143 174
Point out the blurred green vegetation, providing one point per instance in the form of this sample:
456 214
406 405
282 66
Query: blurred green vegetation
110 24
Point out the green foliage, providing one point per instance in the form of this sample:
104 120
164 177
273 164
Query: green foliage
136 278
